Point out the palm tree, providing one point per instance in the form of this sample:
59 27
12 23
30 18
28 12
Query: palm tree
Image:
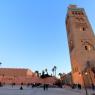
55 70
43 72
0 63
46 71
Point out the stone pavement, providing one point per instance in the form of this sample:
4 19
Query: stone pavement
39 91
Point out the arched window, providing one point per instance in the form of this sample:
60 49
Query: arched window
88 47
84 29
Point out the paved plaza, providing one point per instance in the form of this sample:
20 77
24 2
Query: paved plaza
39 91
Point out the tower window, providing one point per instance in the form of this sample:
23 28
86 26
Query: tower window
76 13
84 29
71 46
86 48
80 19
80 13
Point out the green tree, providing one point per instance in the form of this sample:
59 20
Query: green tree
46 71
54 70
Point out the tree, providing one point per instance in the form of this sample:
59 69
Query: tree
46 71
55 69
0 63
44 75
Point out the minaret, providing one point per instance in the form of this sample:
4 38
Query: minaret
81 41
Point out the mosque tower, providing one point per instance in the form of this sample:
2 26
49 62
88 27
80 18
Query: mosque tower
81 41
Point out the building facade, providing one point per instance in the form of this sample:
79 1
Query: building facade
17 72
81 41
17 76
67 79
23 76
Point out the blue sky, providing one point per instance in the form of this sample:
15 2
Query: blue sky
33 33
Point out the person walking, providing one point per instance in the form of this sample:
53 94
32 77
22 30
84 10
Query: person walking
44 87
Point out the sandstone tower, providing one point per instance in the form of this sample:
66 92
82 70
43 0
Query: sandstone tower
81 41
